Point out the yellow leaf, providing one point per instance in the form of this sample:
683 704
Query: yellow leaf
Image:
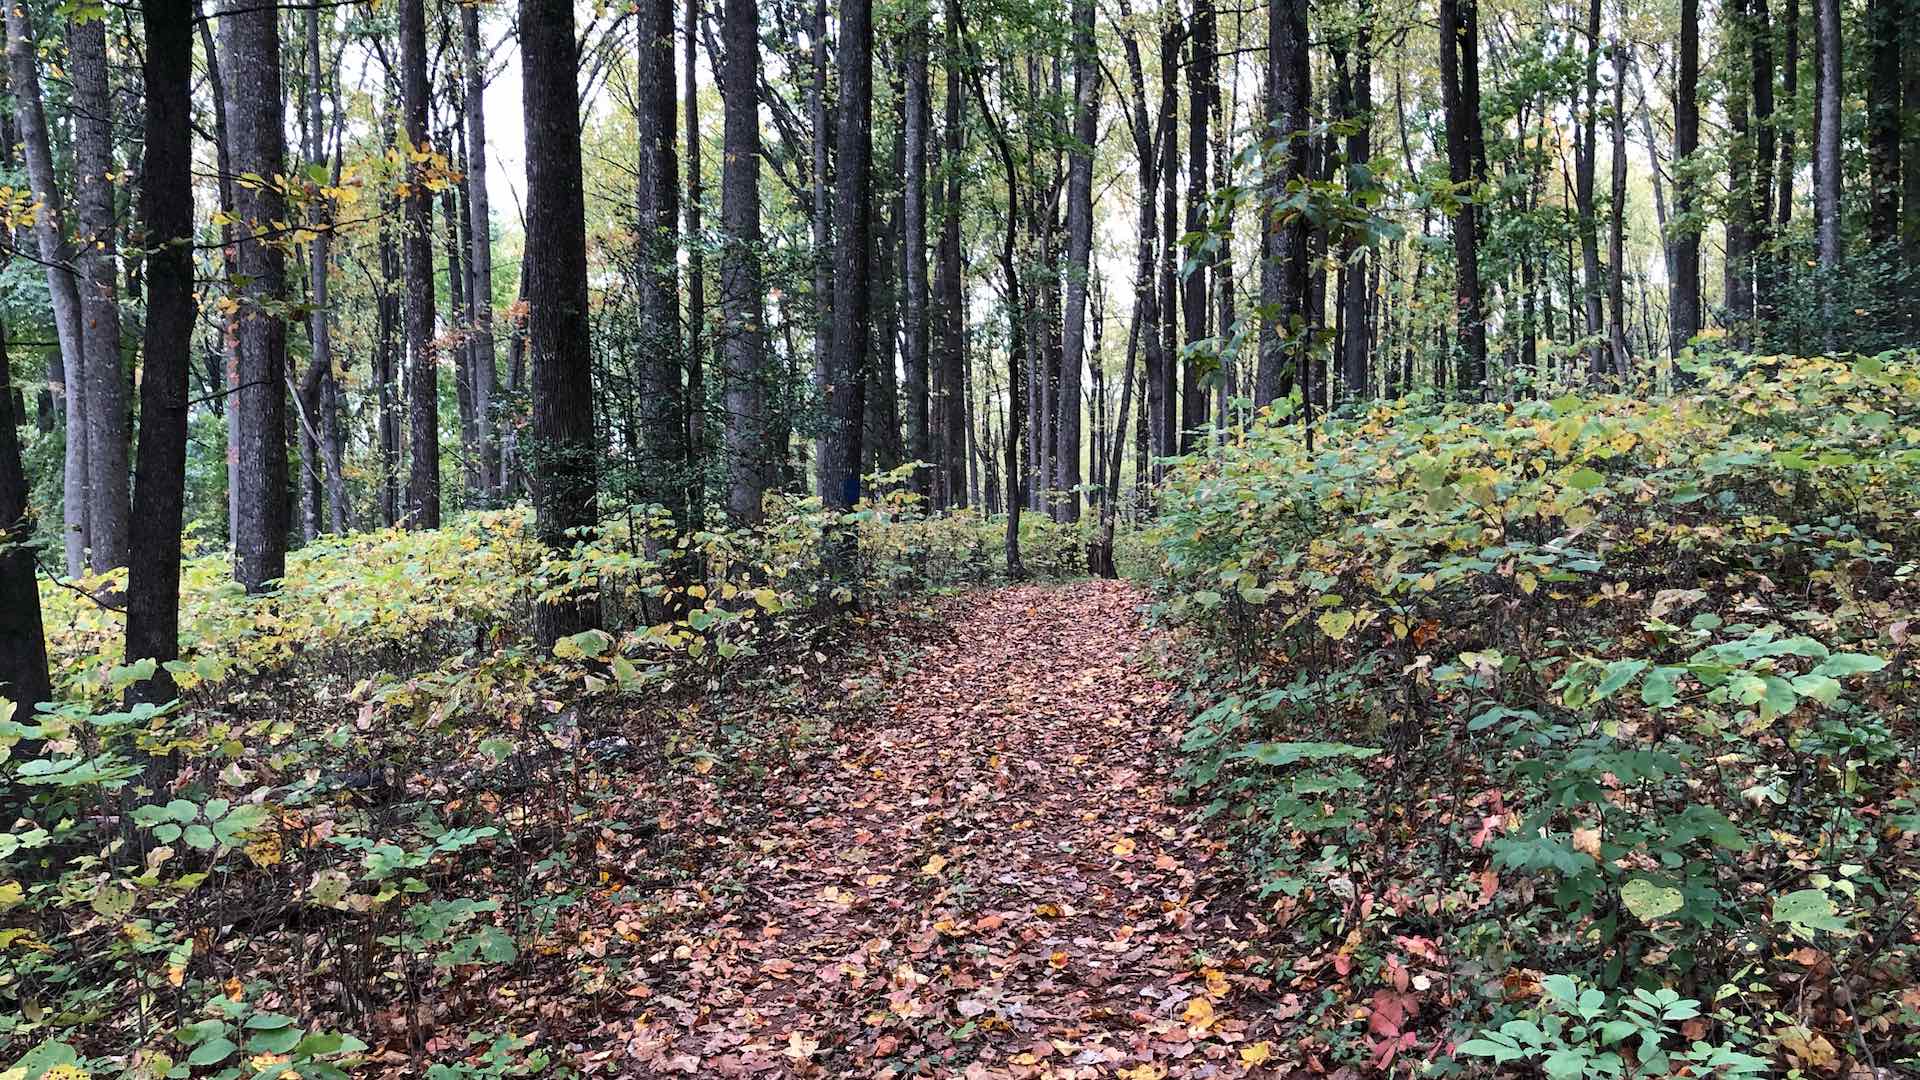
1123 847
1256 1053
1216 982
934 865
1199 1012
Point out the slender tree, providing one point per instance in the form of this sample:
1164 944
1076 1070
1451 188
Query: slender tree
107 419
1616 232
1826 151
662 402
1283 273
555 272
918 118
485 377
1887 32
696 287
1460 82
166 234
56 255
1201 88
846 368
1683 318
953 427
251 56
416 245
1086 118
742 335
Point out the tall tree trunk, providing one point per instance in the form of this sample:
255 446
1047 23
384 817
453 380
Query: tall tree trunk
485 376
1826 151
822 226
108 422
1201 88
555 274
62 284
750 460
251 59
1738 286
1910 166
1789 131
1016 317
951 483
1759 210
320 384
166 233
918 118
1354 346
1073 361
1459 77
457 278
1166 428
1146 297
226 363
1283 275
1586 152
665 470
1886 31
1683 319
423 383
696 289
846 368
1616 233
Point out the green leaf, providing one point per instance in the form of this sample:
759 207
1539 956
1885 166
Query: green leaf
1842 664
1811 909
1336 624
1619 674
199 837
1584 479
1661 687
212 1052
1649 901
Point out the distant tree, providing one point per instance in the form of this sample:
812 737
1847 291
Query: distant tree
1074 354
1466 167
663 427
485 377
166 235
1827 163
917 122
565 468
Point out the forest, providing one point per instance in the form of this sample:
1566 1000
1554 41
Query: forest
959 538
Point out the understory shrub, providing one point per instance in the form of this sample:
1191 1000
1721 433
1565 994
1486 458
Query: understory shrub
1600 687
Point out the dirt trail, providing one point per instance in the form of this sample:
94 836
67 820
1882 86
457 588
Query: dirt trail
987 881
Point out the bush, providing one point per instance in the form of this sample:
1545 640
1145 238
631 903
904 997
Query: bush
1605 686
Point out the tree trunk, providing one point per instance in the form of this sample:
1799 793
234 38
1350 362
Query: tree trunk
822 224
741 340
107 419
1283 274
1460 81
555 273
1616 234
1683 319
1826 151
918 118
665 470
251 55
846 366
1759 209
696 396
485 377
166 227
1166 427
423 383
1586 151
62 284
951 483
1201 84
1885 34
1354 296
1738 284
1073 361
23 639
1016 317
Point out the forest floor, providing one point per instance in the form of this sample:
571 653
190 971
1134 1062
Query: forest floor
984 877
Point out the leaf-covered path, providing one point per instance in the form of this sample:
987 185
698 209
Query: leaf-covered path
986 880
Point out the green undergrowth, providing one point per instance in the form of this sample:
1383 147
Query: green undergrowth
1578 734
379 827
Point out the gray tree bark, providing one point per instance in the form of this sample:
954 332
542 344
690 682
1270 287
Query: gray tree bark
1074 356
742 336
416 244
107 421
250 55
62 284
485 378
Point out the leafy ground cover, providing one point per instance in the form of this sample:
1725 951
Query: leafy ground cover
1596 714
379 832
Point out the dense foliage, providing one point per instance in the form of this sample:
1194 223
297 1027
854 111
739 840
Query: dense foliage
377 803
1595 714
